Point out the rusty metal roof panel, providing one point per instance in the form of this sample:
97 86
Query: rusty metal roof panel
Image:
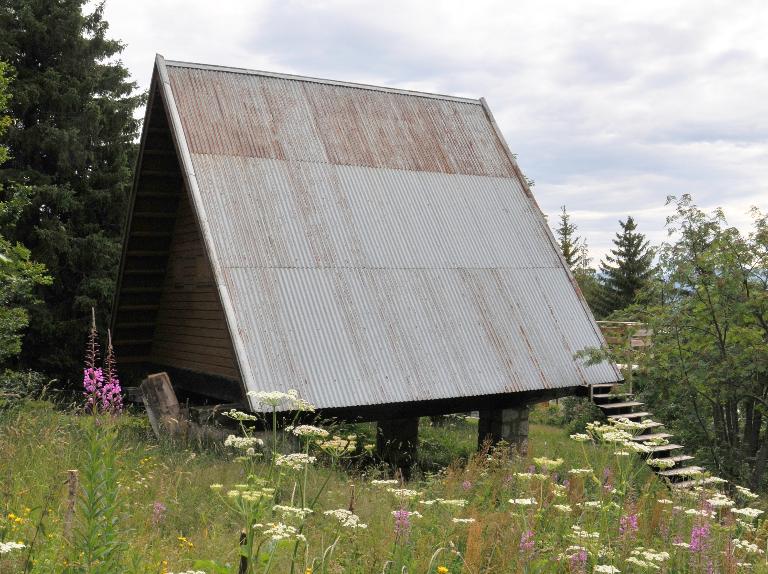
374 246
241 114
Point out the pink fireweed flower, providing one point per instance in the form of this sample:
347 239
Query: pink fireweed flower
527 542
466 485
699 538
158 513
579 562
628 524
402 522
102 388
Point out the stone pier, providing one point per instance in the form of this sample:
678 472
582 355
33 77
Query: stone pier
509 424
397 441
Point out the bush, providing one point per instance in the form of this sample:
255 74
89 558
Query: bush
578 412
16 386
549 414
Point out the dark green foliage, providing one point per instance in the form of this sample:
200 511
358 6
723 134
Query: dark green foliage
19 275
570 244
707 372
71 145
578 412
98 547
16 386
626 270
576 254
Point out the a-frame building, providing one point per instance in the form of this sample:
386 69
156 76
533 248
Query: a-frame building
376 249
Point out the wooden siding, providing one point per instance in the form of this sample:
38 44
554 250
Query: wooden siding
191 331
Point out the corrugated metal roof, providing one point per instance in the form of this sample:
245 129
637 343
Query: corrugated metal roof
373 246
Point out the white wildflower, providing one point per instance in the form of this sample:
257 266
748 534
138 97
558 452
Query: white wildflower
578 471
562 507
346 518
548 463
404 492
720 501
282 531
294 461
308 431
243 442
581 437
385 482
745 492
747 546
523 501
6 547
463 520
605 569
292 511
239 415
748 512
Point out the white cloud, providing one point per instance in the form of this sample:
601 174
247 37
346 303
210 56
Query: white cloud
611 106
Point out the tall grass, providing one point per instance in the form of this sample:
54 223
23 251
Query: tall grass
486 512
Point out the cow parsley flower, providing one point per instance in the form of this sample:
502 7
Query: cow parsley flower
748 512
281 531
346 518
6 547
294 461
243 442
308 431
523 501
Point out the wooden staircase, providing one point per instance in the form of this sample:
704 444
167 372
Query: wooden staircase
617 404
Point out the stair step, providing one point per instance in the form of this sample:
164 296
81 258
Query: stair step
637 415
665 448
680 458
654 436
613 395
626 405
682 471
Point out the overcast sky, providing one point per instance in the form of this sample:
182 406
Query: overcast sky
610 105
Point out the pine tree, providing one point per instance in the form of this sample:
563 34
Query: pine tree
570 244
72 147
626 269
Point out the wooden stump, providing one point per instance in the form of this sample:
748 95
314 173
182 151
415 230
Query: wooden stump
163 407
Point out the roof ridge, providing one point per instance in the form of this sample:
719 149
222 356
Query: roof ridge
311 79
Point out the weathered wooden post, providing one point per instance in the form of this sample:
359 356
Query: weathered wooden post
163 407
69 514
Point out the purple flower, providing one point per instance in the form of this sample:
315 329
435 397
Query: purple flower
526 541
579 561
699 538
402 522
628 524
101 386
466 485
158 513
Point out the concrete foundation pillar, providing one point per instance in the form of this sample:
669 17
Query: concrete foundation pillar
510 425
397 441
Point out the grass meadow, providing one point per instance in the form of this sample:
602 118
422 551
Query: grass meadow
151 507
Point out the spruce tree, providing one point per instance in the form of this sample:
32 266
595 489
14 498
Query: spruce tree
570 244
626 269
71 143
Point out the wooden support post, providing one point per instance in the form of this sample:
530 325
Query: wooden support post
69 514
397 442
163 407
